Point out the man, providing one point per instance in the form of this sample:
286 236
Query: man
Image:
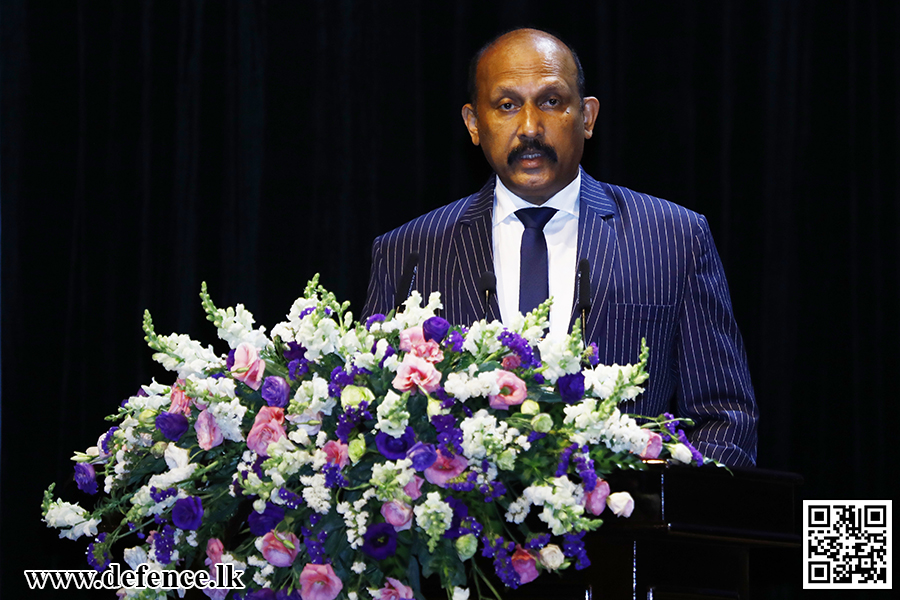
652 268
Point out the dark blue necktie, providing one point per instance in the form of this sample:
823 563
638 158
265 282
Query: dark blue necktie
534 286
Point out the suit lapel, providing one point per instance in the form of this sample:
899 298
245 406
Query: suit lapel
596 243
472 249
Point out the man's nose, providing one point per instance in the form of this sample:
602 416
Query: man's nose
531 122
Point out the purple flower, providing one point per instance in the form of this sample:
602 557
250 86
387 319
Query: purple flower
172 425
290 499
229 362
455 341
380 541
297 368
97 556
594 357
376 318
422 456
262 594
460 513
264 522
435 329
86 478
187 513
106 439
573 547
284 595
388 352
395 448
164 543
571 387
294 352
275 391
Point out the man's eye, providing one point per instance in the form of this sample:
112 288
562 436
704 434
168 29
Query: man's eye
553 101
506 106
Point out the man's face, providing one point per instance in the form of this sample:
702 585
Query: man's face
529 119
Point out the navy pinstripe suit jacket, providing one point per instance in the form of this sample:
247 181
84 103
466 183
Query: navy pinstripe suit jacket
654 273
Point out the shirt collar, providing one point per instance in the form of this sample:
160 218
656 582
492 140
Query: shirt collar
565 200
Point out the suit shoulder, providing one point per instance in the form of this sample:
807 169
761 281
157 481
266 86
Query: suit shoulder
644 208
435 223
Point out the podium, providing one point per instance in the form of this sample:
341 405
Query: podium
696 533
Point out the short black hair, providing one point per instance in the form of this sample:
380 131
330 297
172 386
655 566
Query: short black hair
473 65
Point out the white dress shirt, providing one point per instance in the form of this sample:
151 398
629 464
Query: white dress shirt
561 233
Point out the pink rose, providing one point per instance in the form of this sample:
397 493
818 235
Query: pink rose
394 590
512 391
595 500
208 433
411 337
266 428
414 373
279 548
337 453
654 446
181 403
399 514
248 366
318 582
214 550
523 562
413 489
512 361
445 468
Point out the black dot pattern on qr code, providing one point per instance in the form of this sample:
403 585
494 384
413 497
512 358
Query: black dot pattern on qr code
847 544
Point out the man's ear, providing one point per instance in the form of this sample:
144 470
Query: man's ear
471 121
590 111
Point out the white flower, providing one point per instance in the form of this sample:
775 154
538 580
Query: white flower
680 453
228 416
559 357
187 357
237 328
390 477
485 436
71 519
392 415
434 517
358 567
482 338
317 496
460 593
135 556
621 503
176 458
552 557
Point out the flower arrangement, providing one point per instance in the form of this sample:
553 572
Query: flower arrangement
339 459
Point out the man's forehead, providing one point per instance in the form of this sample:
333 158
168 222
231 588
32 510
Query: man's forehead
526 53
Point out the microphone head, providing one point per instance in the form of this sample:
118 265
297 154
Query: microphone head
487 283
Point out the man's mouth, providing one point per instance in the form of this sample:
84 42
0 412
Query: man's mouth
532 151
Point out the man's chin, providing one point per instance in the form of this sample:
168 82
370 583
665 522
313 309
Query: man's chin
536 188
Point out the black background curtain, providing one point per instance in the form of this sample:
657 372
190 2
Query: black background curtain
149 146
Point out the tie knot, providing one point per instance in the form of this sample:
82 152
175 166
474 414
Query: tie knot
535 218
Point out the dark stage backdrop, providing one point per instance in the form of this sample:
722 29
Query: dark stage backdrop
149 146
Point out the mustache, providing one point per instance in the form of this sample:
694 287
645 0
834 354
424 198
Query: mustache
534 145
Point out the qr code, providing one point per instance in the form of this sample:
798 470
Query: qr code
847 544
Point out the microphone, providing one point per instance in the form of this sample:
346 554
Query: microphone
584 296
487 285
407 280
